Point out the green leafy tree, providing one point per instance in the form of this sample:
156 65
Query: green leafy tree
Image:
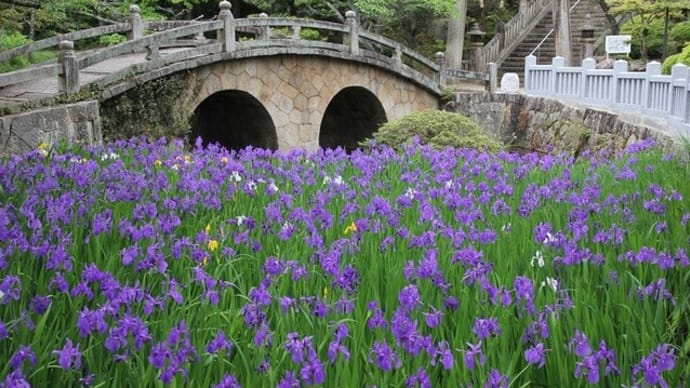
654 36
644 12
412 22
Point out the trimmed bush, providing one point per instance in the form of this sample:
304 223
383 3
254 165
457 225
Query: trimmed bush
682 57
439 129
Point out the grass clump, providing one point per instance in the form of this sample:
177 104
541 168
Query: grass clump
436 128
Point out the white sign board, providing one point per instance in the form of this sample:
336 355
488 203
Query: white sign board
618 44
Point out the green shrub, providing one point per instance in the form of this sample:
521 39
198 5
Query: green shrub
682 57
436 128
311 34
112 39
10 40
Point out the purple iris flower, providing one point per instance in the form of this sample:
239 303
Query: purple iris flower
485 328
384 357
475 351
496 380
536 355
69 356
228 381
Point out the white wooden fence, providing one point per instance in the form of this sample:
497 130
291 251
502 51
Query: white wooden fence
648 93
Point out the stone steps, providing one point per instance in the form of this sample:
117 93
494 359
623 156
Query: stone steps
515 63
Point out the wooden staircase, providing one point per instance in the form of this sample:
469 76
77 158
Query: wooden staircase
545 49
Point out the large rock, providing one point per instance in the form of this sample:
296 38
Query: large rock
74 123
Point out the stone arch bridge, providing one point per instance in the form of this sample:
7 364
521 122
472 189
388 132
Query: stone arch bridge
254 81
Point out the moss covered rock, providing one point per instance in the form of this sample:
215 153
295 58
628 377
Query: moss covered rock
436 128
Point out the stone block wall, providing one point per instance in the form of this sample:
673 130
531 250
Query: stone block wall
73 123
545 125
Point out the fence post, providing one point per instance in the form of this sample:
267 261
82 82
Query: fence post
530 61
619 66
397 58
441 62
587 65
352 37
653 68
493 77
556 64
68 80
227 35
265 29
678 72
137 31
296 32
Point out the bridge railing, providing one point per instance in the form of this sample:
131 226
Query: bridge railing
648 92
256 34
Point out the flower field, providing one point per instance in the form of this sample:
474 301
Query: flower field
148 264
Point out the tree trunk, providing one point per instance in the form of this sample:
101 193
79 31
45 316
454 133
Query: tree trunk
561 22
456 35
613 22
644 56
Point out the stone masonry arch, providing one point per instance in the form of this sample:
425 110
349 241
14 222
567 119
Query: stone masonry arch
296 90
235 120
353 115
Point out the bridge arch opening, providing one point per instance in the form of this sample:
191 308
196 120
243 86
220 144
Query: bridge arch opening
235 120
353 115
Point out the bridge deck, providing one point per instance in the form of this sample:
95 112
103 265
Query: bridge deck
37 89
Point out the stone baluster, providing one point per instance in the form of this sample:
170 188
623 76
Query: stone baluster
589 64
650 100
137 31
68 80
397 58
265 29
679 75
296 31
352 37
530 61
493 78
152 52
556 64
501 35
619 66
441 62
227 35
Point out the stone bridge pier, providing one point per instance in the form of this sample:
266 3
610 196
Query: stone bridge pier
296 101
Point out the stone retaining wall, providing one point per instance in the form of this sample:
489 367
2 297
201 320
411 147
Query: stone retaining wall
73 123
546 125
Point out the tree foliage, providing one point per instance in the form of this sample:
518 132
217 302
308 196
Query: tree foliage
412 22
644 13
49 17
654 36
